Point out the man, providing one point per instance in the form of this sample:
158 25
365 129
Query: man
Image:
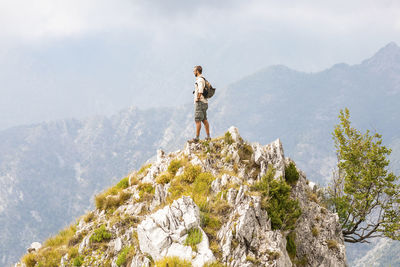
200 104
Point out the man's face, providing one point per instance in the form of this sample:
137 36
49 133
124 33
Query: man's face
195 72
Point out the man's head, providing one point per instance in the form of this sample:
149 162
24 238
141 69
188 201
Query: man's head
197 70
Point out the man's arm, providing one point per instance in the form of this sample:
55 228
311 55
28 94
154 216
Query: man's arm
200 86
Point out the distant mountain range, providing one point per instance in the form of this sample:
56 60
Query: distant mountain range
49 172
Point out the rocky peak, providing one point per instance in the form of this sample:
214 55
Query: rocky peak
387 59
216 203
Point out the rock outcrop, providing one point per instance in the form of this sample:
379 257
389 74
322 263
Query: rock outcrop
209 203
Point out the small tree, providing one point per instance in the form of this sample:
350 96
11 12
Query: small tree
363 192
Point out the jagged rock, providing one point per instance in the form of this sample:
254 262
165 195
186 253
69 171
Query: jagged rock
235 134
64 260
131 209
180 171
248 229
141 261
35 246
163 233
224 180
270 155
117 244
323 246
85 242
160 195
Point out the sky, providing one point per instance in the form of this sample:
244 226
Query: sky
64 59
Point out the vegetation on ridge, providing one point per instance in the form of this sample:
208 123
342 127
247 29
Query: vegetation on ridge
183 179
281 208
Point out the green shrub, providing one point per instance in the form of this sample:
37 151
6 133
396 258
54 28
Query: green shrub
291 245
276 200
124 183
228 138
173 262
78 261
100 234
174 166
122 256
194 237
190 173
291 174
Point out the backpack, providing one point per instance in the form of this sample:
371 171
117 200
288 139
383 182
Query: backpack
208 91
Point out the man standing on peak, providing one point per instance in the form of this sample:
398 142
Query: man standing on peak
200 104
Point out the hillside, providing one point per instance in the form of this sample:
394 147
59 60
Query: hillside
226 201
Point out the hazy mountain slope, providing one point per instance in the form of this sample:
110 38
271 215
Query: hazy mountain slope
49 171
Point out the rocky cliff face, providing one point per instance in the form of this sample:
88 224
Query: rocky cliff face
222 202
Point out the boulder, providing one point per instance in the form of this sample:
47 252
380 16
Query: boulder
164 232
34 247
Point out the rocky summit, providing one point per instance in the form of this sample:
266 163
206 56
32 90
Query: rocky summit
224 202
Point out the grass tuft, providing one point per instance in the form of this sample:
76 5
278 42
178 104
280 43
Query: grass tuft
174 166
332 244
228 138
173 262
315 231
194 237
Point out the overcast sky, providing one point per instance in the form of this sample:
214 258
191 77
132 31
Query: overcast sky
77 58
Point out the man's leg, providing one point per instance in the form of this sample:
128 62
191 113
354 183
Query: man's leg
207 126
198 127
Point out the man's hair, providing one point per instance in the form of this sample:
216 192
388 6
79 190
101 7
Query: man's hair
199 69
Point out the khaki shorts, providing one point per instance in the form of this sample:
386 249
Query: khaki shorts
200 111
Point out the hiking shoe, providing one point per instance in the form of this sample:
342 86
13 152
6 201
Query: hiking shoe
194 140
208 138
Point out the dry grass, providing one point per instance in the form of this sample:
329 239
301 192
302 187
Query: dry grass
173 262
332 244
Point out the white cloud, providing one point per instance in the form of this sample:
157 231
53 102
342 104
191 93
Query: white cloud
36 20
41 20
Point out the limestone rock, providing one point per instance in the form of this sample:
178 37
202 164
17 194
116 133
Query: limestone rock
235 134
163 233
248 234
35 246
318 232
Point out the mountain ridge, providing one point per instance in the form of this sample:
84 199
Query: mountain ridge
217 190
